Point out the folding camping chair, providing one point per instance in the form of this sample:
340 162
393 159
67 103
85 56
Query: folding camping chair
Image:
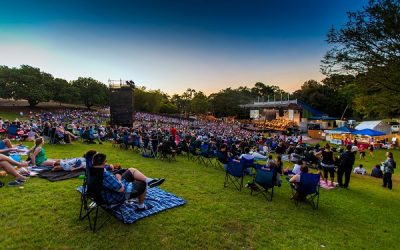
12 131
263 181
247 165
94 186
193 153
205 155
235 173
307 190
154 147
166 152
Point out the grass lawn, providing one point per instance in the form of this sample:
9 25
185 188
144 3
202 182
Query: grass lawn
44 215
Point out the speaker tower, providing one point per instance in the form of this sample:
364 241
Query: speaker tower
122 105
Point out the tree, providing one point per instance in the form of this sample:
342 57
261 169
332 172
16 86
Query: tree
64 91
368 47
264 91
91 92
151 100
199 103
31 84
321 97
168 108
7 78
227 101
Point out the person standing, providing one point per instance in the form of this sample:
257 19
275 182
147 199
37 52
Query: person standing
371 150
328 163
347 159
388 169
362 151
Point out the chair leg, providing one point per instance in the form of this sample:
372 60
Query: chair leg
95 219
83 207
272 193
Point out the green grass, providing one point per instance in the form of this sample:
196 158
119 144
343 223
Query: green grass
44 215
9 116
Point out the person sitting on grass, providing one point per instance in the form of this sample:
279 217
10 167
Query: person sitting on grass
123 186
360 170
377 172
7 164
31 136
6 147
38 155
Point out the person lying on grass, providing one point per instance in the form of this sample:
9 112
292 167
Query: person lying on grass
126 184
38 156
7 164
73 164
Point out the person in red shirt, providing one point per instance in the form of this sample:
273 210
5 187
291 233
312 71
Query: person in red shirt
362 151
173 132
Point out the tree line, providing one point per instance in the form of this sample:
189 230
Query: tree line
362 71
35 86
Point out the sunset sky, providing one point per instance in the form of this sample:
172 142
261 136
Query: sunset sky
173 45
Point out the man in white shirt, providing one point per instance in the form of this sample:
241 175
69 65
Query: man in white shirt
360 170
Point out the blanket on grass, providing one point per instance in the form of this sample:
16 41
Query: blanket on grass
327 186
158 198
60 175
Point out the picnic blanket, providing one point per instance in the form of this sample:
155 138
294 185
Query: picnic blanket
160 200
60 175
327 186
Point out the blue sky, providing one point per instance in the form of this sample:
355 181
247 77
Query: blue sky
173 45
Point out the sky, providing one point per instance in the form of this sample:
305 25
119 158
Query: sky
173 45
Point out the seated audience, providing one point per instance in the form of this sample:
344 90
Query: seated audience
295 170
7 164
247 155
121 186
6 147
360 170
295 180
377 172
38 156
31 136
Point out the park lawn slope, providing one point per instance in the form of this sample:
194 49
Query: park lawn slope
44 215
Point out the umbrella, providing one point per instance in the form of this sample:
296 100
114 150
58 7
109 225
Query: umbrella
368 132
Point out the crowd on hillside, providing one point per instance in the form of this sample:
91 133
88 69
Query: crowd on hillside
154 134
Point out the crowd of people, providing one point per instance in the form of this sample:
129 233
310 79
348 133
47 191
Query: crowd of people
153 133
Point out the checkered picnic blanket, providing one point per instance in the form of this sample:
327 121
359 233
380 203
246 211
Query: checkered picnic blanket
158 198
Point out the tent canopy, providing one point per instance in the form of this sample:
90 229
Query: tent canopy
342 130
368 132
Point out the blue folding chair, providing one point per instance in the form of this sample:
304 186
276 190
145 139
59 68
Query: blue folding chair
205 154
12 131
263 183
247 165
234 174
307 189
